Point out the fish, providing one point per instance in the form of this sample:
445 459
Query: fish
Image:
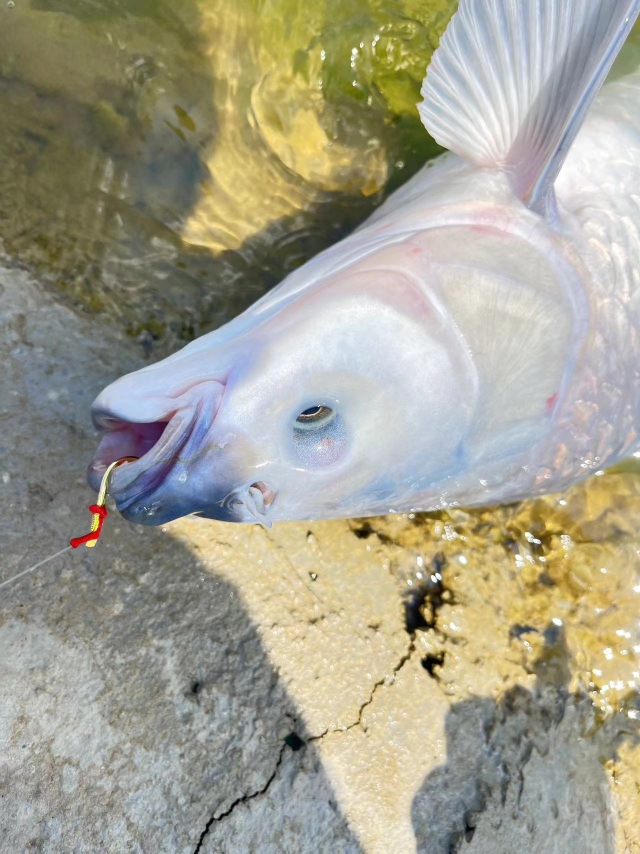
474 342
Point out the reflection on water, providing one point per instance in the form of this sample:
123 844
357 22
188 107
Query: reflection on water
163 163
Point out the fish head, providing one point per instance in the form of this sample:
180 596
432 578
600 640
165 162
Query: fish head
332 401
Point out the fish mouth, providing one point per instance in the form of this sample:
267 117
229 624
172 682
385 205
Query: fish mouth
124 439
178 470
177 437
157 444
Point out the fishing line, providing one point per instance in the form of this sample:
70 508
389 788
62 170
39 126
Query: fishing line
99 512
35 566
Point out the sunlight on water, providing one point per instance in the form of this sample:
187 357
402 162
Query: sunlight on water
166 163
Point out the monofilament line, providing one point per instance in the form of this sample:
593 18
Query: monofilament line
35 566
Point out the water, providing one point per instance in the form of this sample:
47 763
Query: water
165 163
162 164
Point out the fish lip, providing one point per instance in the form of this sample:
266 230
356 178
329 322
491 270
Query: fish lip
176 432
152 467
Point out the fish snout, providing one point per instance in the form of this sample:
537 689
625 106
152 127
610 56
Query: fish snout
135 420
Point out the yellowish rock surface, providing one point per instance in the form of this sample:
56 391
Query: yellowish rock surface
541 598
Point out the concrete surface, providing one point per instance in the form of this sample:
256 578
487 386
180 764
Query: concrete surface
398 685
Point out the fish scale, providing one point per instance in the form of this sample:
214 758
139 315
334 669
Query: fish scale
601 418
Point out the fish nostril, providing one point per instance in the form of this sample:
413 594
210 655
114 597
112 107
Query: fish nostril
267 493
104 420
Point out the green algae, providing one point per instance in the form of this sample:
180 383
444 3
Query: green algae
113 115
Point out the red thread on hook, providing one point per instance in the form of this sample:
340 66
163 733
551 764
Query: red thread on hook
98 509
102 513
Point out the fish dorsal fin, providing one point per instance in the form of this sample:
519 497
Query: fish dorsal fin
512 81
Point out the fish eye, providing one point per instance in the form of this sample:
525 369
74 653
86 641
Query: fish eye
319 436
315 415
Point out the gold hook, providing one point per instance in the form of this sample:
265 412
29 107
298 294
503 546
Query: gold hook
98 509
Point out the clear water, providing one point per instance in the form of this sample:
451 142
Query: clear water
164 163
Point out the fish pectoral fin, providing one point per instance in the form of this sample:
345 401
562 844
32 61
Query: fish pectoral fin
512 81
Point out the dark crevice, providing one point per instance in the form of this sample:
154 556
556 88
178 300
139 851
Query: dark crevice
381 682
430 662
425 600
413 611
242 799
364 531
293 741
470 820
518 630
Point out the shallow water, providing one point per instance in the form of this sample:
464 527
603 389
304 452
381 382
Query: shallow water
166 163
562 574
162 164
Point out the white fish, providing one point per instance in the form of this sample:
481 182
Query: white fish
476 341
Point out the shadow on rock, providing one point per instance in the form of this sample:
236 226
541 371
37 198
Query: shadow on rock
144 712
523 773
140 710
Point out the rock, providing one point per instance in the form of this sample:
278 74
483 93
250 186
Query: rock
431 684
139 701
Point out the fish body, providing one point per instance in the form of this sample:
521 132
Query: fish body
474 342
